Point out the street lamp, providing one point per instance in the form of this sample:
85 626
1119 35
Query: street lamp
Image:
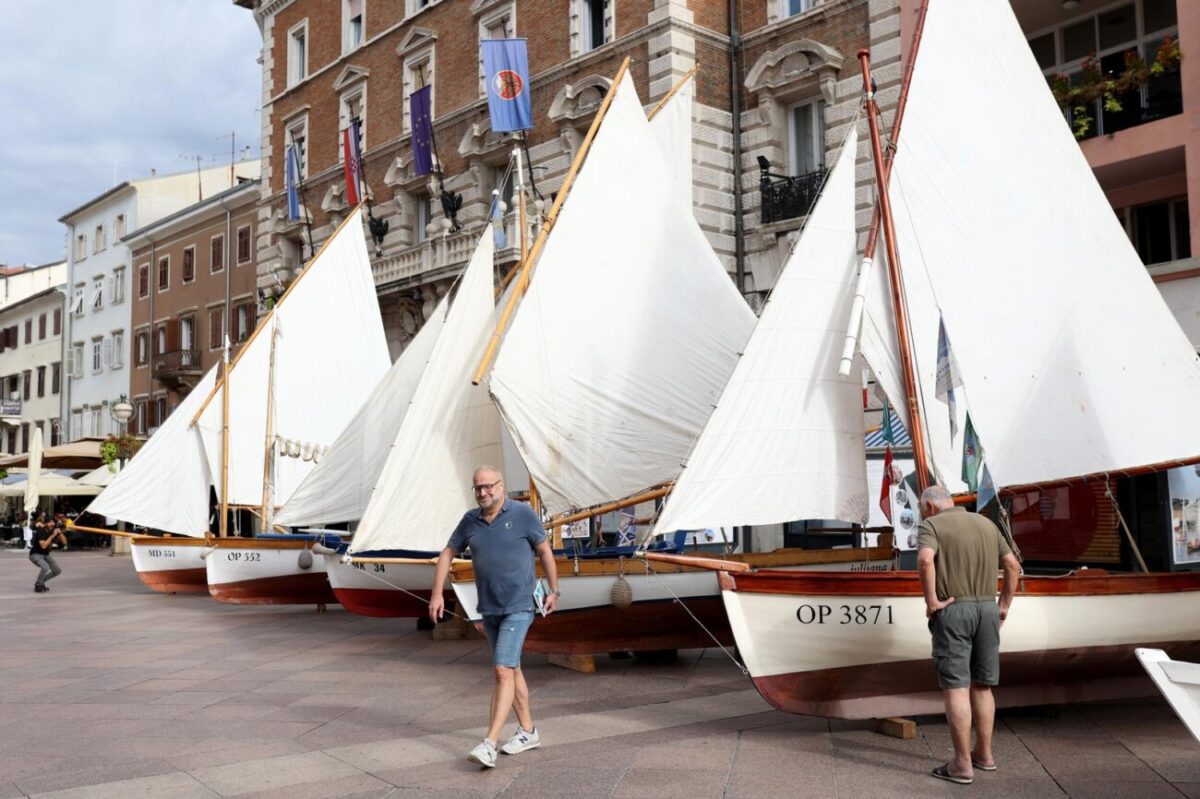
122 412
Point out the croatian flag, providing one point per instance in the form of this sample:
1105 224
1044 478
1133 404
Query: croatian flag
422 131
290 174
506 71
352 163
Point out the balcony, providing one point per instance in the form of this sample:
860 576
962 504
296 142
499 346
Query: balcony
178 368
1160 97
788 197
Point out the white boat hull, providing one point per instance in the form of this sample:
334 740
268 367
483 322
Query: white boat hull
170 565
381 589
866 653
249 572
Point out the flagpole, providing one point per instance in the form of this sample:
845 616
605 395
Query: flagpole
224 526
522 280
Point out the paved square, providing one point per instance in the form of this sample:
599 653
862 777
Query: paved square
111 690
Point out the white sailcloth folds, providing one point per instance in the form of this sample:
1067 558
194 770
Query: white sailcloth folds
330 352
672 127
1070 361
339 487
450 428
629 329
786 439
165 486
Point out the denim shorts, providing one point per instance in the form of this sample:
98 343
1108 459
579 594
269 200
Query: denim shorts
506 636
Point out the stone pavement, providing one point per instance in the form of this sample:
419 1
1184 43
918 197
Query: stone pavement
110 690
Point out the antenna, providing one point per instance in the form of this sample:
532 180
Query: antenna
232 154
199 185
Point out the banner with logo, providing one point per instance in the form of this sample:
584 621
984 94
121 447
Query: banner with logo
506 71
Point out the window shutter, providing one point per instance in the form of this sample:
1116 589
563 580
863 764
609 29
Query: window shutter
106 352
109 290
70 362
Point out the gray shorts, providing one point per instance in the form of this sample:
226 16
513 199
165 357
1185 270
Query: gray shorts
966 643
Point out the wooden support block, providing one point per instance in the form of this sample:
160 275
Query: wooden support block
905 729
584 664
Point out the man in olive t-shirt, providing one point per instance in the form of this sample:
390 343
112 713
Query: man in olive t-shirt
958 555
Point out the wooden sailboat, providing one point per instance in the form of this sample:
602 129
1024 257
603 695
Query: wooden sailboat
402 467
171 464
304 372
611 367
1000 221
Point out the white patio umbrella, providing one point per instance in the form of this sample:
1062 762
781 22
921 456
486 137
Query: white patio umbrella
35 470
101 475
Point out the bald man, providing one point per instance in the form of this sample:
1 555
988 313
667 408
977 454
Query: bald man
503 536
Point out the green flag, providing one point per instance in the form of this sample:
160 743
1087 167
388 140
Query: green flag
972 456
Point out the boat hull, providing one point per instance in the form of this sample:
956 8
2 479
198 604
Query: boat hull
844 646
389 590
170 565
588 622
252 572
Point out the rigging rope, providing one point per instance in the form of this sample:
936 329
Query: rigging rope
651 572
410 593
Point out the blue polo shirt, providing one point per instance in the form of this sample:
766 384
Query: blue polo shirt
501 555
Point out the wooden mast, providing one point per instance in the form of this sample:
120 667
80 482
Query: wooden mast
522 280
224 525
269 443
674 90
895 279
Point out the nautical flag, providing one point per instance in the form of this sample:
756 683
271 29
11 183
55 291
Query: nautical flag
889 433
972 456
885 495
497 218
947 377
421 120
352 163
987 489
506 67
291 172
626 529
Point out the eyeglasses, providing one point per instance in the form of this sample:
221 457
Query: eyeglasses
486 486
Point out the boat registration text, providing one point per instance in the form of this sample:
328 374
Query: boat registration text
844 614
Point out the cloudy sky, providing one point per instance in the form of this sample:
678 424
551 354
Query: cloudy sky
96 92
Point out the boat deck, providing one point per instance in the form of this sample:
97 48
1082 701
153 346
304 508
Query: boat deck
114 690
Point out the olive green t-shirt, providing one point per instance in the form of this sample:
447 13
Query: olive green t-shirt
967 550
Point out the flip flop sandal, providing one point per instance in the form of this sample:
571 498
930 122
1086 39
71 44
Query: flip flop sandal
943 773
979 765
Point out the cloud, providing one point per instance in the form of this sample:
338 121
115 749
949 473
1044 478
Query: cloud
96 93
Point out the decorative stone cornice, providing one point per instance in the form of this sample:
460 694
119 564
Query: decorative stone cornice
349 76
801 61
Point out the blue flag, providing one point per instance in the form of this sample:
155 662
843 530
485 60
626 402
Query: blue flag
290 172
497 220
422 130
506 71
987 489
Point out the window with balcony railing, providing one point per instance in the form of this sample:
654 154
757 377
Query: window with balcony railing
1111 39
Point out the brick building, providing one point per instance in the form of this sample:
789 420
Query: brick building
193 284
325 62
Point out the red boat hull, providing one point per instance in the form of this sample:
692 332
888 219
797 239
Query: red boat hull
291 589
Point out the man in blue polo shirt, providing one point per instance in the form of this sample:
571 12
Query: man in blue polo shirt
503 536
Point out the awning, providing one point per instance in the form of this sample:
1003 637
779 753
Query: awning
81 454
51 484
875 438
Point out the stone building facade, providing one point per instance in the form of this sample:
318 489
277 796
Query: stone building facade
788 65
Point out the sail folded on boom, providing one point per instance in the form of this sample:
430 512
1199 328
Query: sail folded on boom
339 487
1071 362
165 486
330 352
629 329
450 428
785 441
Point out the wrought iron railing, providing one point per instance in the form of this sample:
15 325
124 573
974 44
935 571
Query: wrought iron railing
177 362
789 197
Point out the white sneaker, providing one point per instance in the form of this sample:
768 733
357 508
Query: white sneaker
521 741
484 754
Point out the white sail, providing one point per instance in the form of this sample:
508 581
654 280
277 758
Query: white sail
786 439
330 352
338 489
1060 337
672 127
629 329
450 428
165 486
